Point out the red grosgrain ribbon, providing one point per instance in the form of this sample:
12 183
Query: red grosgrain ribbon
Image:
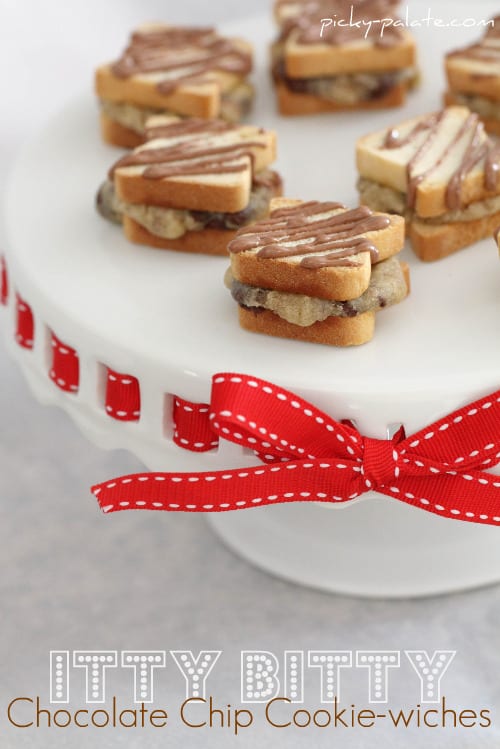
4 282
65 369
123 396
308 456
25 325
192 428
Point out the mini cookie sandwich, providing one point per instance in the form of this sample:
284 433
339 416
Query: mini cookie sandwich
191 72
329 67
473 75
317 271
192 184
441 172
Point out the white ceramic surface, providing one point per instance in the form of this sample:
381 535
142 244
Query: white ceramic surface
166 318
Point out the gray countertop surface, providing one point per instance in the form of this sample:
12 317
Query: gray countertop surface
73 579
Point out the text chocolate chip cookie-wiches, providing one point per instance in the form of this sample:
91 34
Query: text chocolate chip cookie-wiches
441 172
335 55
473 75
191 72
192 185
317 271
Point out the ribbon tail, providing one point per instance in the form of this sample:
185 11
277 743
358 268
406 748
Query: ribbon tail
471 497
219 491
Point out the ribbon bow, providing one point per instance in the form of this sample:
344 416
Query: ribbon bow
308 456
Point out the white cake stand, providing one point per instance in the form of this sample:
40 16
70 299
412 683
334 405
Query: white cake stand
167 319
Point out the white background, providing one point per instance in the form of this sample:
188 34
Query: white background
71 578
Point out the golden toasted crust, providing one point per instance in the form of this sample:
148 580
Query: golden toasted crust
463 76
291 103
205 241
313 60
433 242
490 125
431 199
118 135
334 331
202 100
184 195
335 283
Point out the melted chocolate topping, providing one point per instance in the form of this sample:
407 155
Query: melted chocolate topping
493 32
185 55
194 155
324 241
479 148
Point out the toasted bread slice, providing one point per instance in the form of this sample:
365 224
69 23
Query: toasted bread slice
433 242
291 103
118 135
334 331
205 241
434 148
476 69
201 100
491 126
207 166
149 74
346 277
357 56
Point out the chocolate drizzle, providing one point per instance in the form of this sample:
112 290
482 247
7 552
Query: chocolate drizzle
393 139
304 230
201 152
350 21
487 50
481 52
479 148
184 55
493 32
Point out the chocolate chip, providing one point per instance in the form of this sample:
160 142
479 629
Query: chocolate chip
386 83
255 310
349 310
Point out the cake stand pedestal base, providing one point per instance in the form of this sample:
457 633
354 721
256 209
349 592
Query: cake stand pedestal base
354 551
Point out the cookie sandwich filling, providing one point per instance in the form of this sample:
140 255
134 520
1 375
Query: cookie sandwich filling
388 286
172 223
235 104
346 88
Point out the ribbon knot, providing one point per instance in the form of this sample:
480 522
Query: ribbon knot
310 457
380 463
